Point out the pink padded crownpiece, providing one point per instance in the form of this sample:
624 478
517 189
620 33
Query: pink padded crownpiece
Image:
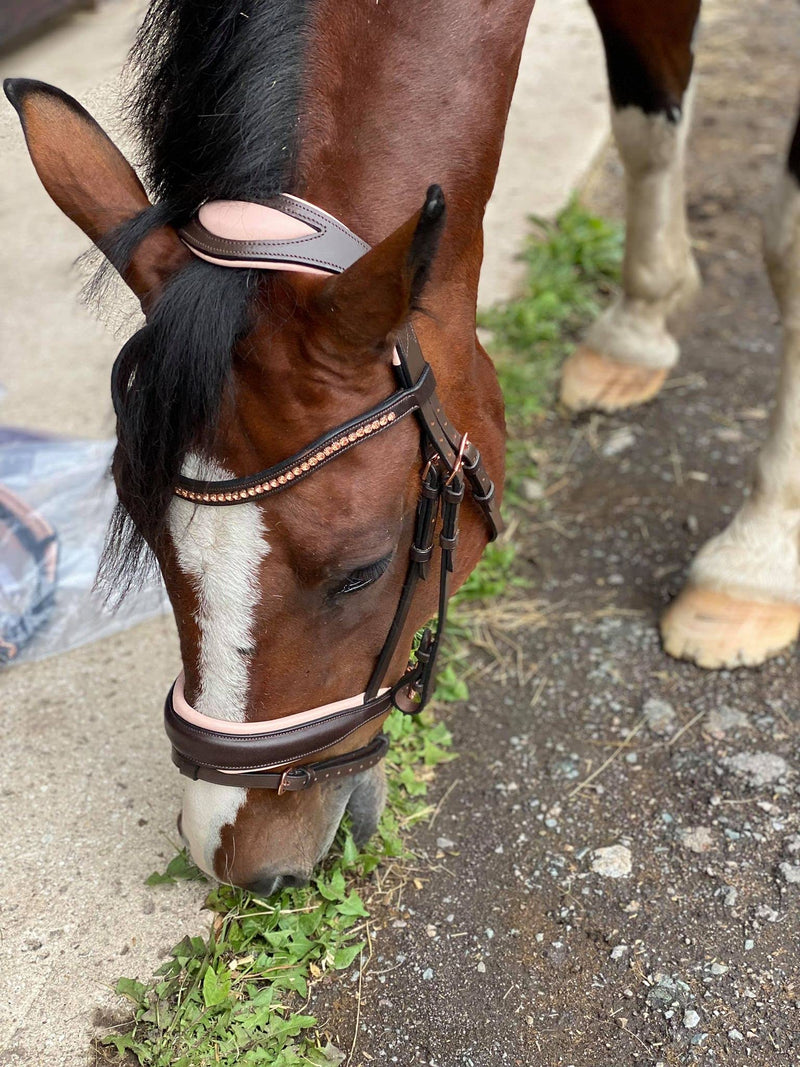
238 220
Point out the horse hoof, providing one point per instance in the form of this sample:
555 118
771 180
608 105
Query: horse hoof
715 630
591 382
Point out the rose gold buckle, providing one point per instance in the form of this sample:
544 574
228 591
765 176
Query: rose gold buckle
459 463
426 470
300 777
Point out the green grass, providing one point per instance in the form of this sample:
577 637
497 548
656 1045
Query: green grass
238 997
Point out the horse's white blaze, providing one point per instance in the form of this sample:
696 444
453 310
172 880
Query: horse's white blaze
758 555
659 272
221 551
206 809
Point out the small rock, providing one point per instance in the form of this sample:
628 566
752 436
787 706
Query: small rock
482 967
758 768
660 716
722 720
749 944
729 895
557 953
618 951
690 1019
615 861
719 968
790 872
445 843
531 489
618 441
697 838
792 844
667 991
736 1035
427 974
768 914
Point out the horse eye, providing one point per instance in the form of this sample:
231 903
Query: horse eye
364 576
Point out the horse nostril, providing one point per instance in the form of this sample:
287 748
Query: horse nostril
267 883
293 881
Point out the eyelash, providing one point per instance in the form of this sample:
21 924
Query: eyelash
365 576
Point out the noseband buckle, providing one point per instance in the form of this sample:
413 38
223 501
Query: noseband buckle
296 778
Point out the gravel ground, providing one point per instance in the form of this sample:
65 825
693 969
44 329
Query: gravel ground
569 912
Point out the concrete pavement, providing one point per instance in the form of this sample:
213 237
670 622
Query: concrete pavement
88 794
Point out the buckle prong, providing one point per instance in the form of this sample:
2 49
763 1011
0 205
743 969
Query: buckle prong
459 463
283 785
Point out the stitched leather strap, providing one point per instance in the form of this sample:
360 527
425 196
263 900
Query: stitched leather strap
332 247
316 455
276 748
293 779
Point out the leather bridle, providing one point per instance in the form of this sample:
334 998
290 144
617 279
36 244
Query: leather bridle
274 754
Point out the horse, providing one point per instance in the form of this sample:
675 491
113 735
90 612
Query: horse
292 520
741 603
274 124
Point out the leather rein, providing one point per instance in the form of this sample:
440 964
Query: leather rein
274 754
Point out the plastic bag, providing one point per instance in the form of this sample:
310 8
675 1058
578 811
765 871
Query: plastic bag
68 484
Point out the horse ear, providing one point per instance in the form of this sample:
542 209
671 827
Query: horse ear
91 181
365 305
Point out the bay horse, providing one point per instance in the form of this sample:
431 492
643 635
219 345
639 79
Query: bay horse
741 604
291 121
263 123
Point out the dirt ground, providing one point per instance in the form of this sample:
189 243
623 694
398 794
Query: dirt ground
516 950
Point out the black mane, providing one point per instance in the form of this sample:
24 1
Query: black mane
215 105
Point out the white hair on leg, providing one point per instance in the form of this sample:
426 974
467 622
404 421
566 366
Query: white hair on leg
741 604
758 554
659 273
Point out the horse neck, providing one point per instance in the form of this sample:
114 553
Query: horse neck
399 95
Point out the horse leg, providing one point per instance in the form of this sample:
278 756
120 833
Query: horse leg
628 351
742 601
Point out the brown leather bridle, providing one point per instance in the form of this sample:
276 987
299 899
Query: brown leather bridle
272 755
